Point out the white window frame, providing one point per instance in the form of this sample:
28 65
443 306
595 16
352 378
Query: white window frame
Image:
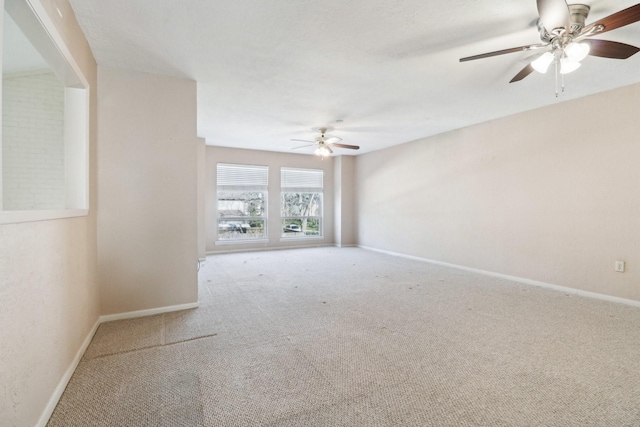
298 180
242 178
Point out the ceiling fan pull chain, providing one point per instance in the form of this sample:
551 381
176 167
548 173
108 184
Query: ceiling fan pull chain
557 75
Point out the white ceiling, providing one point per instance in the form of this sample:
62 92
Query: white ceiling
269 71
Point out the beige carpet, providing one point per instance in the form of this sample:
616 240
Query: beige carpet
348 337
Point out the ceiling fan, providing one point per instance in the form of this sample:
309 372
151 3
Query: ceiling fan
567 40
323 143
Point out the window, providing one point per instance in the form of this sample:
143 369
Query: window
242 202
301 202
45 121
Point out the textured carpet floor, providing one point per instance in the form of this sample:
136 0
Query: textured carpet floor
348 337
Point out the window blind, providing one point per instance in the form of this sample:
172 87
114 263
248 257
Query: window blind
301 179
243 176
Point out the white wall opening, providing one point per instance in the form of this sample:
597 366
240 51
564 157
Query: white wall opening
45 116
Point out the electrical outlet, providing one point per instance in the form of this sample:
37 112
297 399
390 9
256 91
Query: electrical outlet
620 266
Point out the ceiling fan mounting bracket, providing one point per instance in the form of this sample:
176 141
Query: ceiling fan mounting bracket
579 14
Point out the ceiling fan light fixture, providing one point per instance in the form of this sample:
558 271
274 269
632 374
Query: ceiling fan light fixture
541 64
568 65
577 51
322 151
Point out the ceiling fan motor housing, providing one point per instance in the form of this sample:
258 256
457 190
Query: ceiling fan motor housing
578 13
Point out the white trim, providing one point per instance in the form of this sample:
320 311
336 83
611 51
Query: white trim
62 384
350 245
148 312
579 292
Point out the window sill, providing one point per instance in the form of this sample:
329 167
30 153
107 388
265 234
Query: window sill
13 217
240 242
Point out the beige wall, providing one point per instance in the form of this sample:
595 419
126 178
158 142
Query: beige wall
202 199
48 287
147 189
550 195
275 161
344 196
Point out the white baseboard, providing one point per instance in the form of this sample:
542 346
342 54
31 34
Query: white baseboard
149 312
62 384
525 281
64 381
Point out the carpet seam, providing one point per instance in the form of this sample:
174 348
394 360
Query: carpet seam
152 346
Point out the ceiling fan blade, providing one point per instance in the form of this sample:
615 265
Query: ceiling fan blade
554 14
329 148
304 146
303 140
619 19
504 51
330 139
522 74
351 147
609 49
